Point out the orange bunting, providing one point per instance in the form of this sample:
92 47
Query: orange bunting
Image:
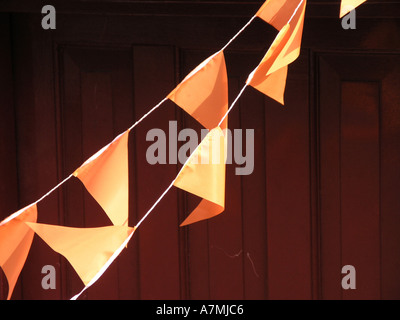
272 85
348 5
270 75
204 92
277 12
15 243
203 175
88 250
105 176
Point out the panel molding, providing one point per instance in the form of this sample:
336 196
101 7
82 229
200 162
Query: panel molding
371 70
315 9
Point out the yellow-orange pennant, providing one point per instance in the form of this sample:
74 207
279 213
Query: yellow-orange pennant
88 250
203 175
204 92
270 75
105 176
277 12
272 85
15 243
347 5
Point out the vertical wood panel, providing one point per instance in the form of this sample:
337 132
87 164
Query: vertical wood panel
329 176
358 208
93 83
359 163
123 117
232 263
198 233
225 231
154 78
253 201
390 180
97 131
8 156
288 189
266 228
37 144
71 127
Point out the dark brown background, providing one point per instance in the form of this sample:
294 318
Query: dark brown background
325 188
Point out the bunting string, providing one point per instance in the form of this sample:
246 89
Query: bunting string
233 104
220 122
130 128
207 102
238 33
160 103
105 266
148 113
115 254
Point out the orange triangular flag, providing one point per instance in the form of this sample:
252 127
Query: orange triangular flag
203 174
15 243
204 92
291 51
277 12
105 176
88 250
270 75
347 5
272 85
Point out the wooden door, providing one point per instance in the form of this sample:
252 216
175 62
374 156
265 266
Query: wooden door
359 173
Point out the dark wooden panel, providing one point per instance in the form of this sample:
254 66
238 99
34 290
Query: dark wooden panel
329 184
96 97
198 243
96 106
225 234
288 189
359 186
158 236
222 8
227 257
37 145
373 34
357 195
8 168
390 180
71 128
77 87
254 215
